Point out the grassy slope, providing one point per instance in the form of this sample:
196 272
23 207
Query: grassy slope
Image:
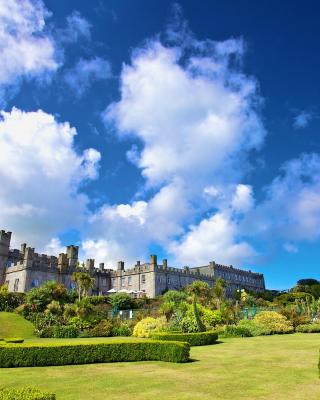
265 368
13 325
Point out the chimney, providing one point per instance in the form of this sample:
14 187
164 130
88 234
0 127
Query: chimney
165 263
120 265
153 260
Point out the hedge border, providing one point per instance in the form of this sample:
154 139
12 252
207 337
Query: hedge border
34 355
194 339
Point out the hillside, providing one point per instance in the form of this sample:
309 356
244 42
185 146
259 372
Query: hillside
13 325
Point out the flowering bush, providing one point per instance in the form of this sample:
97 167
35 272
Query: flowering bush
148 325
274 322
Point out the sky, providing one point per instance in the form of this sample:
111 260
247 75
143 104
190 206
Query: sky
189 130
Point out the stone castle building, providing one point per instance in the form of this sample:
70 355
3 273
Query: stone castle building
24 269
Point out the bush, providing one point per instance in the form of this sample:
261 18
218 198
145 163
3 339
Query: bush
308 328
61 331
148 325
44 354
122 301
194 339
122 330
14 340
237 331
9 301
253 328
274 322
103 328
95 300
27 393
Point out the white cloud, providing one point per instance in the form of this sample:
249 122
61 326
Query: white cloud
214 238
243 200
197 117
302 120
54 247
40 176
77 27
26 49
194 119
86 72
291 210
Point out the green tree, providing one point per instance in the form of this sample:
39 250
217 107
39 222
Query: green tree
84 283
121 301
219 292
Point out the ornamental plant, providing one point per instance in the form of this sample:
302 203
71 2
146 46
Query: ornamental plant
148 325
274 322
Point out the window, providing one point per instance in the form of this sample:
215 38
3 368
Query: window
16 285
35 283
123 281
113 282
129 280
8 263
168 280
104 282
143 279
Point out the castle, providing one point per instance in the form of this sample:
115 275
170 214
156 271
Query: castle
24 269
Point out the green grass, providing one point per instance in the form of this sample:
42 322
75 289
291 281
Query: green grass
13 325
265 368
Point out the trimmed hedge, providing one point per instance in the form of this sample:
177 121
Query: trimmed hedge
308 328
194 339
38 354
27 393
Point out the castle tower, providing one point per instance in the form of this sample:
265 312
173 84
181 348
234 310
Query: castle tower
153 260
72 255
5 238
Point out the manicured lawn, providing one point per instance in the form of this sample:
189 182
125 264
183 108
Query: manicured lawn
266 368
13 325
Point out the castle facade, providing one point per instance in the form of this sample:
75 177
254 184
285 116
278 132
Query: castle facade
23 269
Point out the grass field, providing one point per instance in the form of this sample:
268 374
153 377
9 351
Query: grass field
13 325
266 368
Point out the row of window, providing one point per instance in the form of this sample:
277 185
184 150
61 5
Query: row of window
128 280
16 285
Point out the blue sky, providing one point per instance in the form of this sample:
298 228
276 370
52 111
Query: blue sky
187 129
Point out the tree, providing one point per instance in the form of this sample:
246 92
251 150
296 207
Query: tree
84 283
200 292
121 301
219 292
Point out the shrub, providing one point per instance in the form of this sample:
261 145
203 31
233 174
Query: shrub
122 301
70 310
27 393
237 331
254 328
9 301
274 322
14 340
44 354
103 328
308 328
44 324
189 324
194 339
61 331
54 308
122 330
95 300
148 325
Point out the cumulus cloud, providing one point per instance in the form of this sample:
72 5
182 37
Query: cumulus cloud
291 209
197 117
302 120
27 50
215 236
86 72
41 175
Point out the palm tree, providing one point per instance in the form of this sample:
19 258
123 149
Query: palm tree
84 283
219 292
